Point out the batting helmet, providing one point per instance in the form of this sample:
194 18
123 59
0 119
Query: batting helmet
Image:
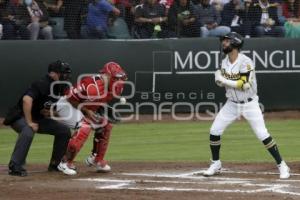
236 40
114 70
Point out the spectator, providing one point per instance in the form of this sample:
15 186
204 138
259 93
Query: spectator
167 4
54 7
74 10
233 16
39 20
151 20
247 21
135 4
15 21
219 4
291 12
182 20
209 19
291 9
2 11
29 19
97 18
1 31
125 7
264 17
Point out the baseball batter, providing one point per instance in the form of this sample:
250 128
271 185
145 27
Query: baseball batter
237 75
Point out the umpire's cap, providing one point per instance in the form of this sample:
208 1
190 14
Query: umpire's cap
236 40
59 67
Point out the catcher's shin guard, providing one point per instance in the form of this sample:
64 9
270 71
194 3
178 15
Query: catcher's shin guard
101 141
77 141
96 140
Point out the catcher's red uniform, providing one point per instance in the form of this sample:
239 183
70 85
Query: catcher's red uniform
95 89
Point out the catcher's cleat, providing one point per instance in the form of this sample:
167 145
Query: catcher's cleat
284 170
214 168
65 168
103 167
90 160
72 166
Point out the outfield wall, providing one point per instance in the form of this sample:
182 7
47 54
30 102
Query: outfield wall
162 70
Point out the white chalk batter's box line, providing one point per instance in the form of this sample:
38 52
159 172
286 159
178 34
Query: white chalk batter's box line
200 172
193 178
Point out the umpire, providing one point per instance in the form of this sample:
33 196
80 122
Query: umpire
28 117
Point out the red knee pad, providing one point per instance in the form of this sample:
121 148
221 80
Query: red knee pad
102 142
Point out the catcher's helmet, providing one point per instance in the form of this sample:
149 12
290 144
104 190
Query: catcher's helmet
236 40
114 70
117 76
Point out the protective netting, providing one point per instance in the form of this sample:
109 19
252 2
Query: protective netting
143 19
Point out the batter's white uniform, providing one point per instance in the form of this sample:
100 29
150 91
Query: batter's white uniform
240 102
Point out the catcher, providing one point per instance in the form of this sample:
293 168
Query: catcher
84 108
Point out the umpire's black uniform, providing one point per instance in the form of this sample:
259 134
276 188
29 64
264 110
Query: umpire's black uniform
39 91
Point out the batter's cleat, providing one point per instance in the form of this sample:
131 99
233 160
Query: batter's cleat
103 167
284 170
90 160
64 168
214 168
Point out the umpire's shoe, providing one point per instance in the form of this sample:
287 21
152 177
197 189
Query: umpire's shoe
66 169
214 168
52 168
284 170
14 170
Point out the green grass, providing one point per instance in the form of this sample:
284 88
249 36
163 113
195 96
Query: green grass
184 141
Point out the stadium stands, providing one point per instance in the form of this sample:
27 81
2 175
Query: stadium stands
67 19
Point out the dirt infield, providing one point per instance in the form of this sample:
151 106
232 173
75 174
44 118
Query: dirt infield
154 181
